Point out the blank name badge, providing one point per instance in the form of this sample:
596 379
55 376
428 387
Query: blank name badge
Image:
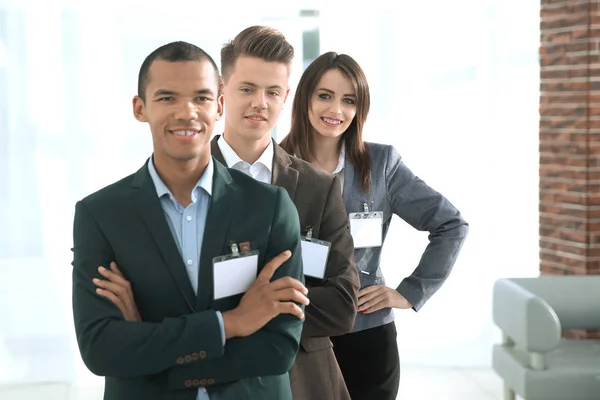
314 256
366 228
234 273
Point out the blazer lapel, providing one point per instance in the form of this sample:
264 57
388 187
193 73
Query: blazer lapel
354 195
215 151
222 202
148 205
283 174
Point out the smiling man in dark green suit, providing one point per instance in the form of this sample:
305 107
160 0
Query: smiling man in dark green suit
163 226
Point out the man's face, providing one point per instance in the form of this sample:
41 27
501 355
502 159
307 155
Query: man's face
254 94
181 108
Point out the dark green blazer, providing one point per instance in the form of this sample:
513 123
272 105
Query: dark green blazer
179 346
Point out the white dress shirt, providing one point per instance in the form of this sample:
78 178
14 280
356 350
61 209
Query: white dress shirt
260 170
339 170
187 226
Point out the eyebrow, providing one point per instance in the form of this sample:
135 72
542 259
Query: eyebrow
165 92
247 83
332 92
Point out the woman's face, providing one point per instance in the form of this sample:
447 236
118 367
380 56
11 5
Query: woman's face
333 104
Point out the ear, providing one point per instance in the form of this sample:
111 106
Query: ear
220 107
139 109
287 92
221 99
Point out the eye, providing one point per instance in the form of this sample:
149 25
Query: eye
166 98
274 94
324 96
203 98
245 90
349 101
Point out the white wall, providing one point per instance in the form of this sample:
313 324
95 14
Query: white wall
455 89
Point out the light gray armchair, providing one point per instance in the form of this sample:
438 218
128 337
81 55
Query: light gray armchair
534 361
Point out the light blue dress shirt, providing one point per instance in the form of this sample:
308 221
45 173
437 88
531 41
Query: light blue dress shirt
187 226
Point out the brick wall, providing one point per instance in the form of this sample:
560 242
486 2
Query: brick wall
570 138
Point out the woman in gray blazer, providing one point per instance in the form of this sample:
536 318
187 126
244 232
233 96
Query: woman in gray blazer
329 110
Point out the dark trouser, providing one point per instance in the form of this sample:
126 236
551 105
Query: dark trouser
369 362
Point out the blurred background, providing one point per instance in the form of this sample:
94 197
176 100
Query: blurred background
454 86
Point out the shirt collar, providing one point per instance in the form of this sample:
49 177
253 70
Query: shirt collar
341 160
205 182
231 157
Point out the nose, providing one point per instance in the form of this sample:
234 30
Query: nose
259 101
187 111
335 108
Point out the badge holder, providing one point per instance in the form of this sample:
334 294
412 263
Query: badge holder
366 227
234 273
314 255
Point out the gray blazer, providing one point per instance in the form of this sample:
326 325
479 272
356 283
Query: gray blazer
396 190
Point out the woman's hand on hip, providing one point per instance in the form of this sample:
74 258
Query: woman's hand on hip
375 298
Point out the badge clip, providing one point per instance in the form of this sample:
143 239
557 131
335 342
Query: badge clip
309 232
235 252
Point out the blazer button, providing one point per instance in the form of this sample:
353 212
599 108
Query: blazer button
202 382
180 360
188 383
195 356
188 359
202 354
196 382
210 381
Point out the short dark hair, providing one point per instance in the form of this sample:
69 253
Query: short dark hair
173 52
299 141
262 42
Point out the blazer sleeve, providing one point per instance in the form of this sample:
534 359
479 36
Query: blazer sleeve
333 302
272 349
426 210
111 346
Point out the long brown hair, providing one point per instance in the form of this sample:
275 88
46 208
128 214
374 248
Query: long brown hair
300 139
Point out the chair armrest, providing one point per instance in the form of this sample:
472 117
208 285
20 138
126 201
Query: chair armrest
524 317
574 298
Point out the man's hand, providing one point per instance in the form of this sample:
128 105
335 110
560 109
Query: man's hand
265 300
118 290
375 298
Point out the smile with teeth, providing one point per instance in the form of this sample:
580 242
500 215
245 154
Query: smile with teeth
185 133
331 121
256 118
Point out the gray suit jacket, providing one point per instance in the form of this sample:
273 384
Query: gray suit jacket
316 194
396 190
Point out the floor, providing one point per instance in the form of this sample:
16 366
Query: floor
418 383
